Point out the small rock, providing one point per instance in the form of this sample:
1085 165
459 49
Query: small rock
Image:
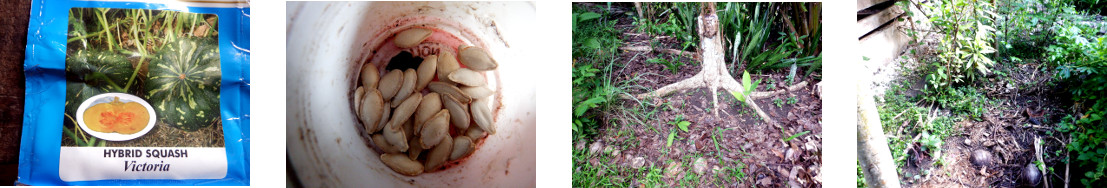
608 149
700 166
673 169
616 153
1032 175
637 162
596 147
790 154
580 146
981 158
968 142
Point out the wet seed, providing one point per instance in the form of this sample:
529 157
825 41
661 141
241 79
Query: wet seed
407 87
482 115
394 134
414 152
476 58
384 116
381 143
463 146
447 63
435 129
426 72
359 94
474 132
477 92
371 110
438 155
404 111
369 75
427 108
411 37
444 89
467 77
402 164
459 113
390 83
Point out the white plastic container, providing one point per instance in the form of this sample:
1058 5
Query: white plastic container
329 41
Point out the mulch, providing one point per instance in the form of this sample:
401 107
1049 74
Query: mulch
13 40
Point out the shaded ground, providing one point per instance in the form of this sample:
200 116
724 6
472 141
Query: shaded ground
1005 130
733 149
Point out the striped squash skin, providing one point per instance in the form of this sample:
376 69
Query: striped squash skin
87 73
183 83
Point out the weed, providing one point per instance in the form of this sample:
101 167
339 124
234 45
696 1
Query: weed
681 124
794 136
673 66
778 102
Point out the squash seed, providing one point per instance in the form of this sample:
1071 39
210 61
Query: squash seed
359 94
390 83
411 37
394 134
384 117
474 132
370 75
372 106
426 72
406 88
404 111
463 146
435 128
438 155
459 113
447 63
414 151
467 77
401 164
381 143
476 58
477 92
482 115
444 89
431 104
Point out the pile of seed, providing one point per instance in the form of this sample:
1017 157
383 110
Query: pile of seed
412 129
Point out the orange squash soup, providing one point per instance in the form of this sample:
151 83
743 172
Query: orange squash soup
116 116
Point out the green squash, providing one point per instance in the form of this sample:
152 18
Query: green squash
183 83
89 73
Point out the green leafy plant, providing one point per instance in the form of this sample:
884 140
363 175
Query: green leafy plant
673 66
594 36
681 124
778 102
965 42
749 87
794 136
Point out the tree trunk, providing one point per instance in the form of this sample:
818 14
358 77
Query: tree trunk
714 75
872 147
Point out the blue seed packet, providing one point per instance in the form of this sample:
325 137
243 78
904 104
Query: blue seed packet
137 93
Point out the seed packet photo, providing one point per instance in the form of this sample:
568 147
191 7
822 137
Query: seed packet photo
136 94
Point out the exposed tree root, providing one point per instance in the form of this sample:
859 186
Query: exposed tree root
659 50
714 74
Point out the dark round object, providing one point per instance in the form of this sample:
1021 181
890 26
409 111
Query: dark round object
403 61
1032 175
981 158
